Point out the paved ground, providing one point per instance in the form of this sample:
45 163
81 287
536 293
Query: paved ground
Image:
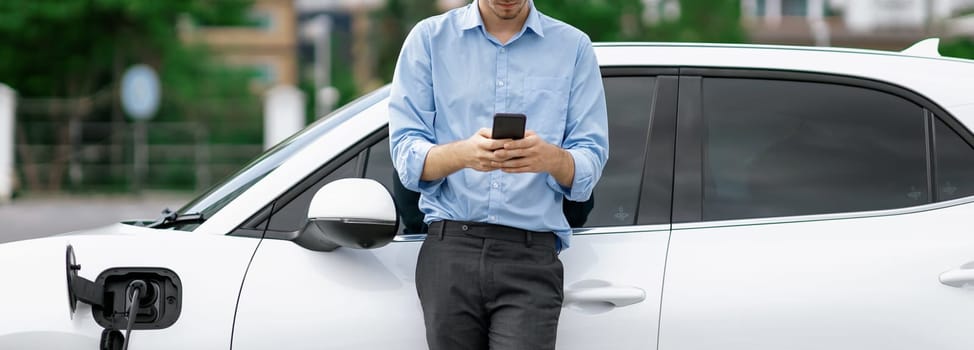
34 217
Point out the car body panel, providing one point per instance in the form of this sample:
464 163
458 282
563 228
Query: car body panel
308 294
845 283
211 269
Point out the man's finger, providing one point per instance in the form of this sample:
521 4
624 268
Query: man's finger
506 154
526 142
490 145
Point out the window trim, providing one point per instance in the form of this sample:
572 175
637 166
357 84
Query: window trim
824 217
930 138
659 159
688 187
660 124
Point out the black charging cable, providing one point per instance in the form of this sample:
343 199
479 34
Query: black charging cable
136 287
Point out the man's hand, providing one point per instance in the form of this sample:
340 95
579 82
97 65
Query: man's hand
533 155
476 152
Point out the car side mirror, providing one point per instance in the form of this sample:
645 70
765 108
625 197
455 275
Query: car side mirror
353 213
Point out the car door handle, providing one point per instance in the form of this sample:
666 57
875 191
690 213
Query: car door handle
959 277
617 296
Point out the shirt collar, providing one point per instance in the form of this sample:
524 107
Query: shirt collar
471 19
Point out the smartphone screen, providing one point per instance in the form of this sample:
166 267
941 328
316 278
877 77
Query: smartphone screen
508 126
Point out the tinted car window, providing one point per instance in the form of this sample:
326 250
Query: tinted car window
617 193
777 148
379 166
955 164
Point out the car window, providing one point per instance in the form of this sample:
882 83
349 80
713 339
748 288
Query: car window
225 192
779 148
617 194
379 167
955 163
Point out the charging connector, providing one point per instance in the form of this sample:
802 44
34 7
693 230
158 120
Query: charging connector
135 289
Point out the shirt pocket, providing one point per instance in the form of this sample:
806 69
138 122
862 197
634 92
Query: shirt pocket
546 106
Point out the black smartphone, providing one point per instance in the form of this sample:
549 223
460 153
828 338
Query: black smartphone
508 126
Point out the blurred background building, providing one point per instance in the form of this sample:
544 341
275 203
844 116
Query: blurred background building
265 44
878 24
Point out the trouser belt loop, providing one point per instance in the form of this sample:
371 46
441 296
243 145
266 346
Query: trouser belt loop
527 239
442 229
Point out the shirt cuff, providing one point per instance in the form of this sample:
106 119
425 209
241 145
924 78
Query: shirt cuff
581 188
413 161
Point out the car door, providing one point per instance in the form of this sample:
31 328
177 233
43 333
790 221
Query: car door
366 299
817 212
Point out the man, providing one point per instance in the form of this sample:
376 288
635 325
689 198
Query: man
488 274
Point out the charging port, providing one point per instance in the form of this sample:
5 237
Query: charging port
156 308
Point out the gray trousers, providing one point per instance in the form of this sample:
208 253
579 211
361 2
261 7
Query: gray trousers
489 287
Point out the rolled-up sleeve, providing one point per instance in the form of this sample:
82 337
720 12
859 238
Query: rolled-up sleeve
587 132
412 112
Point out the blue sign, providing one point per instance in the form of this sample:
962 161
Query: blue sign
140 92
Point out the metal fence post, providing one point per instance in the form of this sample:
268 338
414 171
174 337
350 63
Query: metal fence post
7 107
283 114
202 140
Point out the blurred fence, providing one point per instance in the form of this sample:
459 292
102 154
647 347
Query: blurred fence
61 145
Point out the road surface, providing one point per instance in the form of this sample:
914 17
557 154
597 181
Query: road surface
34 217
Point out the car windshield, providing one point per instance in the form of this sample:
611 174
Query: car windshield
226 191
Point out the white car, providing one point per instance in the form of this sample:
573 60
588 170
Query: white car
756 197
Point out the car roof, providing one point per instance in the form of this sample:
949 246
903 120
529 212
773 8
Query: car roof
926 49
945 81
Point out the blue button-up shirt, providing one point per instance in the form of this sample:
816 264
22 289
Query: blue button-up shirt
452 76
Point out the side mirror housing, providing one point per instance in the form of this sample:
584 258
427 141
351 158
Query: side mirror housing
353 213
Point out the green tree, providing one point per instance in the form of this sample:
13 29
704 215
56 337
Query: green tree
602 20
958 47
69 48
79 48
396 20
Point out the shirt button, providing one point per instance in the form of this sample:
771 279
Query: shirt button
502 50
495 185
500 83
493 218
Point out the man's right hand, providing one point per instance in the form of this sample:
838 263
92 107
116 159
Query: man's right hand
475 152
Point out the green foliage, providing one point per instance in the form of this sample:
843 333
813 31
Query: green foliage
80 40
958 47
397 19
79 48
602 20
